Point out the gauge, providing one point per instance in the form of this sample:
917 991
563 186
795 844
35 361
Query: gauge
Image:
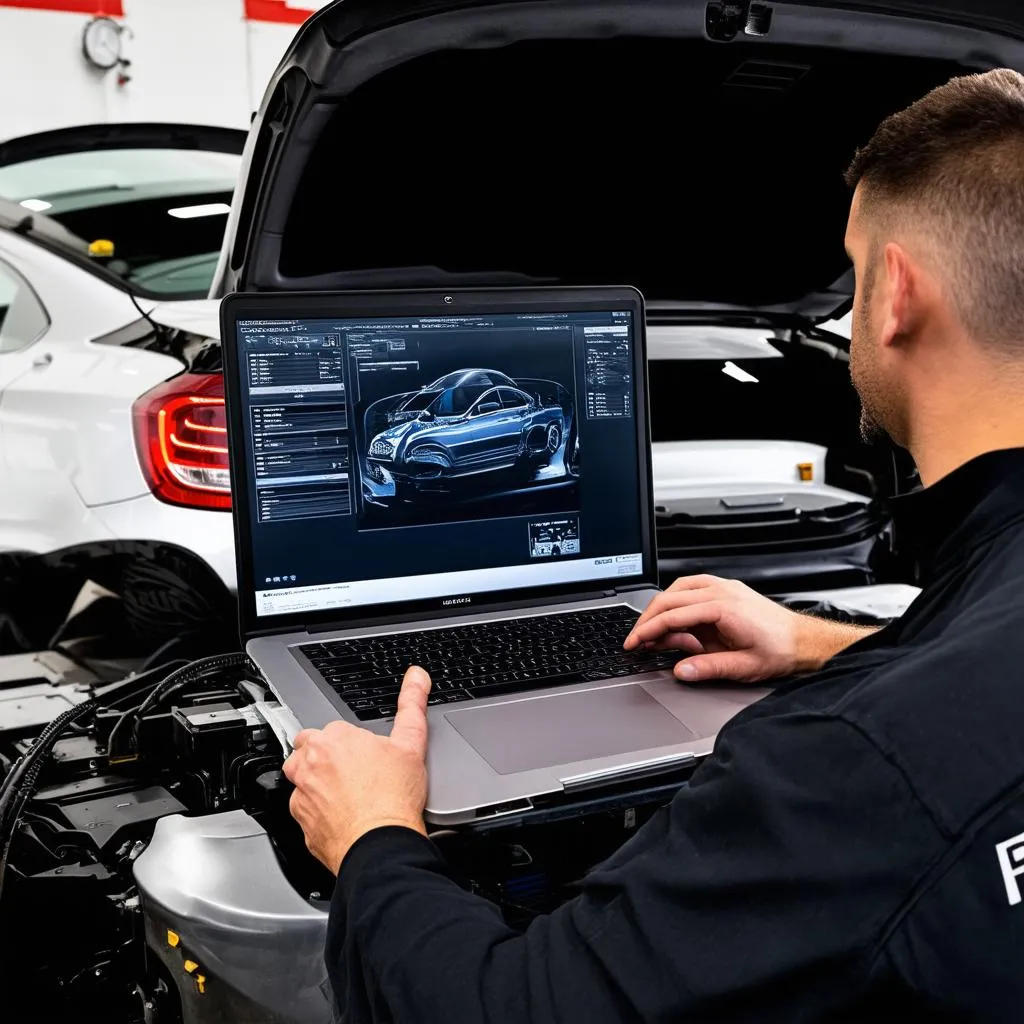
102 43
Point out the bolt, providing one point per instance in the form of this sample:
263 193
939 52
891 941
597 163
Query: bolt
314 895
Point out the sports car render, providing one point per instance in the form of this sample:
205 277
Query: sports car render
465 424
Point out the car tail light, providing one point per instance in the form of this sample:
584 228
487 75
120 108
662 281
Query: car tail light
182 439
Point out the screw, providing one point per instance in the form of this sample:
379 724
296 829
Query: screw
314 895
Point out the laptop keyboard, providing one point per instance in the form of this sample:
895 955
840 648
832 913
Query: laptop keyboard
485 659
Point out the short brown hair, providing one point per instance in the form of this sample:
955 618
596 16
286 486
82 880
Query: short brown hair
952 166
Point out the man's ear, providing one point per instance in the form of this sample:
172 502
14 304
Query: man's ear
902 295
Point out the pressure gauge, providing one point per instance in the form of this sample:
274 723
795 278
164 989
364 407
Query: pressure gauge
102 43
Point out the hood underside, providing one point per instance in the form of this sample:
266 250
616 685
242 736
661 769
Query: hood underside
476 145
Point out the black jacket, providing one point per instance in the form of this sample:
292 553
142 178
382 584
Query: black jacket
849 852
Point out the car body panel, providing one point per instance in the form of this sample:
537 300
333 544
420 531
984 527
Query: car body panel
198 316
206 533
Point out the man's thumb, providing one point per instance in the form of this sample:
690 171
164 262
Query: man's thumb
734 666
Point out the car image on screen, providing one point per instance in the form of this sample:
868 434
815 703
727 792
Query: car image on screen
466 424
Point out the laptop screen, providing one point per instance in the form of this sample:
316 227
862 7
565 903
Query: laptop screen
408 458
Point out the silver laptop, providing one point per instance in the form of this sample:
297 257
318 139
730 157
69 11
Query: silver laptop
460 480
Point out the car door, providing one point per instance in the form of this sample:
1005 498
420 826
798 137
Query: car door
489 426
516 408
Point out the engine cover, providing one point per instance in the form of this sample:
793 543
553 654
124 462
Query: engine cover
238 940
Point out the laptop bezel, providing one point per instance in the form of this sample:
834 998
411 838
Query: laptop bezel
426 302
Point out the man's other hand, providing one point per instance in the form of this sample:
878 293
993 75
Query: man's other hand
731 632
349 781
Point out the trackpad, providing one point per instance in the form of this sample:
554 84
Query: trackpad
544 731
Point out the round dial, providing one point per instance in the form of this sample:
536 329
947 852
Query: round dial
102 43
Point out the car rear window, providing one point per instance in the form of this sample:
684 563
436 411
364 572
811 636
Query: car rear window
164 211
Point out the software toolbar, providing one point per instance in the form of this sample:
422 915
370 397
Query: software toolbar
301 446
609 376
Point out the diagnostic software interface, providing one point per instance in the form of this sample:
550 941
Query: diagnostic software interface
400 459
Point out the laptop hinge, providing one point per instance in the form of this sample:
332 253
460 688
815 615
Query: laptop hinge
632 588
421 616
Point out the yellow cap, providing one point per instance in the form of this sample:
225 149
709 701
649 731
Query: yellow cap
190 966
806 470
173 939
102 249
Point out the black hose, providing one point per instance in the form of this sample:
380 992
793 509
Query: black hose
176 681
21 781
19 784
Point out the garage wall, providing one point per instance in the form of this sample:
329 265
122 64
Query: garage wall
202 61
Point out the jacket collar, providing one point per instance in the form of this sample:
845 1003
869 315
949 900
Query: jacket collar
943 523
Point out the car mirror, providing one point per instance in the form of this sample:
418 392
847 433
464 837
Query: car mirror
426 415
487 407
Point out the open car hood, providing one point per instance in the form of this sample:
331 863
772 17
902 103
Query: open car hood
693 149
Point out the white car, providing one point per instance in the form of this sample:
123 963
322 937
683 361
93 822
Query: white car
111 423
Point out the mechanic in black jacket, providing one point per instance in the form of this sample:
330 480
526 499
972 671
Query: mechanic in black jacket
854 848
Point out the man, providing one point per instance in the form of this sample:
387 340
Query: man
854 848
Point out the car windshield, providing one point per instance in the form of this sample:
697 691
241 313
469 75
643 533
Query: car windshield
458 401
418 402
162 211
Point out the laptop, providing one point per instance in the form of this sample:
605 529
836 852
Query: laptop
462 480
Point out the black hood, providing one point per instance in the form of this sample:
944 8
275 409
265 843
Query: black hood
693 149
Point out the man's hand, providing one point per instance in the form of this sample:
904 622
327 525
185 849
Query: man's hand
349 781
731 632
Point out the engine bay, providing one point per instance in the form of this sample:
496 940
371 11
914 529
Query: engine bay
150 870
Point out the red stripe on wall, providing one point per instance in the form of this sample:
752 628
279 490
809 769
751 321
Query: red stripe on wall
111 8
275 10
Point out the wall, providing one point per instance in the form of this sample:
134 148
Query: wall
201 61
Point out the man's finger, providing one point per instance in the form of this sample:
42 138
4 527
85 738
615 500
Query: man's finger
291 766
410 728
686 643
736 666
663 602
678 620
302 738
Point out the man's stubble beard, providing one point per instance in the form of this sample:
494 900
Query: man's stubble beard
871 431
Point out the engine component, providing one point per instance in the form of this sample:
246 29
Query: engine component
214 896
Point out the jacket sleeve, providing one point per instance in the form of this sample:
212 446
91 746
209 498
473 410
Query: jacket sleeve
752 896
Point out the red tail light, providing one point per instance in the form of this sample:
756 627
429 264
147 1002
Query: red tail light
181 433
